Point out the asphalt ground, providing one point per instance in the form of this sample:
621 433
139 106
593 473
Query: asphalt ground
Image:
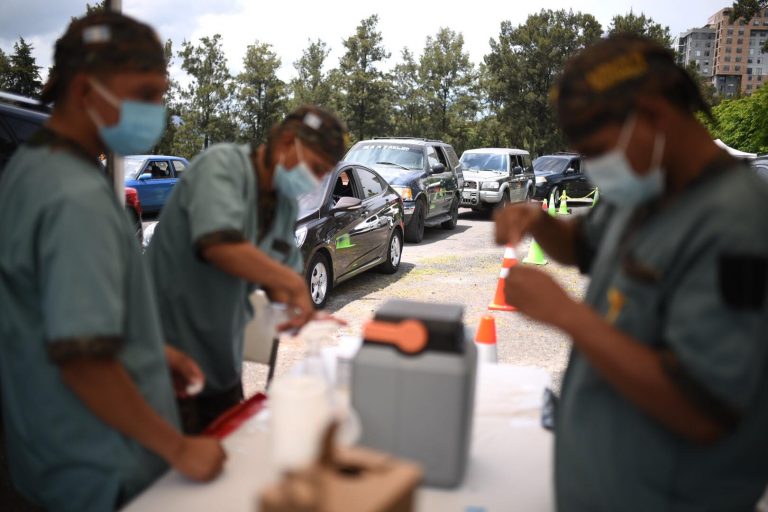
460 266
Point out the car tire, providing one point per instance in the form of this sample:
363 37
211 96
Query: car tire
454 213
319 280
505 200
528 195
414 231
556 193
394 253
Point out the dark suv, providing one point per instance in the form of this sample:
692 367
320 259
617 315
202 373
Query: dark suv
558 172
20 118
426 173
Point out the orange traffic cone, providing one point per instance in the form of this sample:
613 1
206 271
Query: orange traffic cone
499 302
544 205
485 340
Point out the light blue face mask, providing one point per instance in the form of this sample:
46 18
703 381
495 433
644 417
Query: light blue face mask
298 180
138 129
613 175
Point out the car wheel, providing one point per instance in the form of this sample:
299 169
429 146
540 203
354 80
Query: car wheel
454 213
394 253
414 231
528 195
556 194
319 280
505 200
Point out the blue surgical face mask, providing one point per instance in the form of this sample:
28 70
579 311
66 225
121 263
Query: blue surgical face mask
138 129
298 180
613 175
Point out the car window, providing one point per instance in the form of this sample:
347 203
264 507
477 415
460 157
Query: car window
369 183
527 163
312 201
484 162
441 157
432 159
517 164
179 167
550 165
159 169
131 167
371 154
451 156
576 165
23 128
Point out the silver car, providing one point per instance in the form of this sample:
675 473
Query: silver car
496 177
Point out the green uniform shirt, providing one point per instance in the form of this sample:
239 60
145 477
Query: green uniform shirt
689 281
205 310
71 273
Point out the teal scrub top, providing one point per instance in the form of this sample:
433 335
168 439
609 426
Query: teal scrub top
72 282
690 282
205 310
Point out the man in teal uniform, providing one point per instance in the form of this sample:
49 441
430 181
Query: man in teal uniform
664 405
88 409
229 225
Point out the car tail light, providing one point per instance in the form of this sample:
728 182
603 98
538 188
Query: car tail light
132 199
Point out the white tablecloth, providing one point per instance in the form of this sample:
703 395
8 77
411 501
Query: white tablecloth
510 464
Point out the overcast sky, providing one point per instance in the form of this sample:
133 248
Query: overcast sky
289 25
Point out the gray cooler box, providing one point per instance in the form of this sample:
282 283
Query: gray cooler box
419 404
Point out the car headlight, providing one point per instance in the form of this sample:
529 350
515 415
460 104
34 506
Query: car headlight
301 235
540 180
405 192
490 185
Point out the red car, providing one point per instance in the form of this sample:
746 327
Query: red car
133 208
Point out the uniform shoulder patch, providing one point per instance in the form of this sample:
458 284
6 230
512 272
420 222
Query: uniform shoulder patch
743 279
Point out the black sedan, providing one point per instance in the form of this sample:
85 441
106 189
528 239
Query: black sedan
352 223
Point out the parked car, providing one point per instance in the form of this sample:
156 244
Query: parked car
558 172
20 118
426 173
154 177
495 177
352 223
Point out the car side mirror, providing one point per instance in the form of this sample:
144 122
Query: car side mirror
347 203
145 176
517 170
438 168
570 170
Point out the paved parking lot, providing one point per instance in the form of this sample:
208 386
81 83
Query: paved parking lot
460 266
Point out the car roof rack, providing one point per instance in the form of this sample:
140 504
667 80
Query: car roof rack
17 100
567 153
407 138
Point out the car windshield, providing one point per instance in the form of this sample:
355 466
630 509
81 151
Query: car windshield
484 162
397 155
312 201
131 167
549 165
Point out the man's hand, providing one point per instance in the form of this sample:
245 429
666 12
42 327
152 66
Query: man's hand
185 373
301 309
198 458
538 296
515 221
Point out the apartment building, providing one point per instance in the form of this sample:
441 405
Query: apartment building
739 64
697 45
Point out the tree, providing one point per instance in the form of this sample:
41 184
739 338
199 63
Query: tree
740 122
364 93
522 68
708 91
312 85
207 100
260 92
24 74
448 80
5 70
641 25
173 110
409 104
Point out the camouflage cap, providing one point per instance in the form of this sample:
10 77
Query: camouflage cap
320 130
603 82
103 42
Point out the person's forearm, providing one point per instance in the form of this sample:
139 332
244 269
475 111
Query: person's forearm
557 237
636 371
247 262
105 387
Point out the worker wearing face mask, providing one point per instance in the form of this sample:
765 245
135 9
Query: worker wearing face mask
228 227
663 404
88 409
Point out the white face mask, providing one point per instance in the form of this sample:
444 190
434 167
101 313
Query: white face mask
613 174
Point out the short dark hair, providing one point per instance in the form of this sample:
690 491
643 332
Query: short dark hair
103 42
602 83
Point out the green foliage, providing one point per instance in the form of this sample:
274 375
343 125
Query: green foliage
409 109
23 74
364 93
260 92
312 85
207 102
5 70
522 68
741 122
449 84
642 25
708 91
